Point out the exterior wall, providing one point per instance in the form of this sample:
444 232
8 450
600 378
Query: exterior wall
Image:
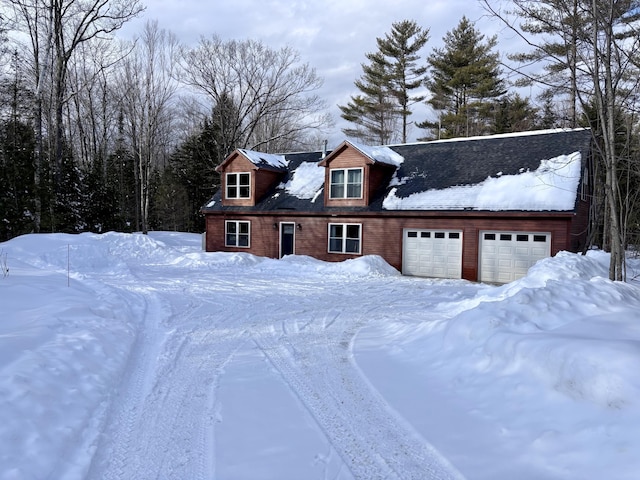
263 181
379 176
382 234
580 226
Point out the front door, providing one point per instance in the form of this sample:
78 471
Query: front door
287 238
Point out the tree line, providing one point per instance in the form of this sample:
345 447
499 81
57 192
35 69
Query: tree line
101 134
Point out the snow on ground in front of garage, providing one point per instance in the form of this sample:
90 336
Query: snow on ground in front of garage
132 356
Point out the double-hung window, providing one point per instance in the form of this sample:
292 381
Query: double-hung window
238 185
237 233
345 237
346 183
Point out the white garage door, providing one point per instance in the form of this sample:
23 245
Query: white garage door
432 253
507 256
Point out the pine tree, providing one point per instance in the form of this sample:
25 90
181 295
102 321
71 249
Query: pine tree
373 113
100 199
559 77
513 113
191 174
465 79
387 84
17 189
400 53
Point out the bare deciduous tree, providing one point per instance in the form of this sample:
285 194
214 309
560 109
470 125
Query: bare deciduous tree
271 91
149 88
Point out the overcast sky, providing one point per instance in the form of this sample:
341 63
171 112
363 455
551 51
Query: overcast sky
332 36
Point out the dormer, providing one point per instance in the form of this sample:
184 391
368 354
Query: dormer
354 173
247 176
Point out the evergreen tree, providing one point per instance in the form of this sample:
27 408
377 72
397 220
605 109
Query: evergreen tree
221 129
513 113
121 183
373 113
549 117
387 84
400 53
17 168
465 79
191 175
120 178
17 188
100 205
68 197
170 209
559 77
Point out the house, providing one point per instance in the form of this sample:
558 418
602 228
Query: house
482 208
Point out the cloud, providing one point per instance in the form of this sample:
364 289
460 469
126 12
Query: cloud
333 36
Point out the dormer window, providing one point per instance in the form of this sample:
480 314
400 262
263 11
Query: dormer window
346 183
238 185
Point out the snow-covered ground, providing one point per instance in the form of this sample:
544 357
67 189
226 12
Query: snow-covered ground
141 357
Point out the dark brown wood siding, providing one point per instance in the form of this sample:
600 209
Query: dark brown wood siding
382 234
580 226
264 182
378 179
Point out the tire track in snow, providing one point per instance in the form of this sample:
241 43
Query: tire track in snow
317 363
162 425
112 449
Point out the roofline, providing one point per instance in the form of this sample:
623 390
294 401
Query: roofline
396 213
497 136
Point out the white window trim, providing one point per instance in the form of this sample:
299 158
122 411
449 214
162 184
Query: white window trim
237 223
345 184
344 239
237 185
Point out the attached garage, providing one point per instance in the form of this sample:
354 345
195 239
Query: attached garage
507 256
480 208
432 253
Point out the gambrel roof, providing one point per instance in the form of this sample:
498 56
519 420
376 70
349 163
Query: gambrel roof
530 171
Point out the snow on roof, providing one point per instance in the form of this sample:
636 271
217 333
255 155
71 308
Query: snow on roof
268 159
552 186
380 154
306 181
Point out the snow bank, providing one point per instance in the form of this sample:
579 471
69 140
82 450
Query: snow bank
62 349
368 265
553 326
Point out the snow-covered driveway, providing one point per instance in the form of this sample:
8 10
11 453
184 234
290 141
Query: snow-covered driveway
287 336
142 357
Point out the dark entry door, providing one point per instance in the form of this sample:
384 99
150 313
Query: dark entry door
287 238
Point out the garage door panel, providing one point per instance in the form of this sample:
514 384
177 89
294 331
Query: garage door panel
432 253
507 256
